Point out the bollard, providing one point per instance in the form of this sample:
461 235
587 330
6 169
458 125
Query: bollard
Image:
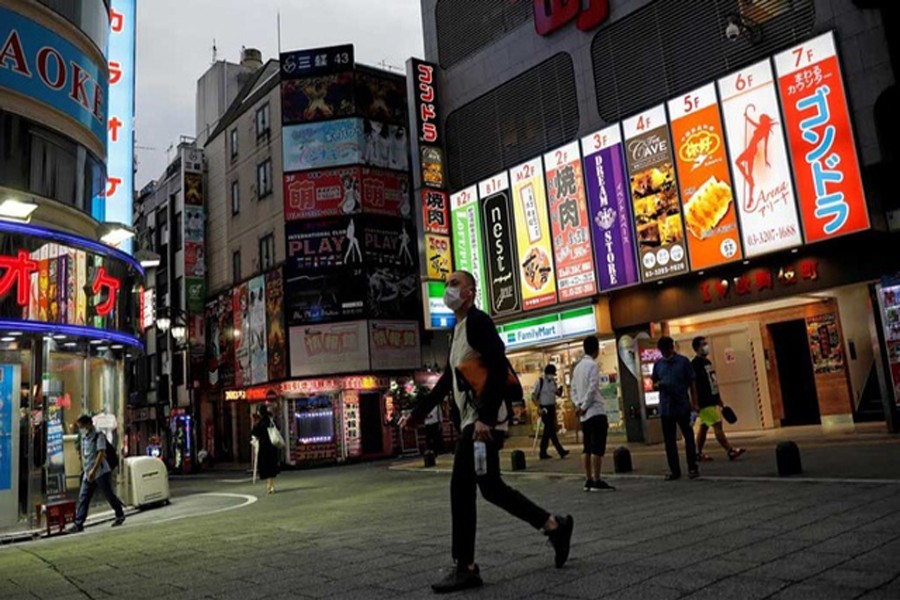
622 460
517 457
428 459
787 457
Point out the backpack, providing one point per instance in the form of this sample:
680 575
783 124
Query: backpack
110 453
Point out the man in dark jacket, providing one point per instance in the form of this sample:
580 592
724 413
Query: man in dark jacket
482 418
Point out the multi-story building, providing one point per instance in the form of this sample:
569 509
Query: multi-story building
69 299
652 167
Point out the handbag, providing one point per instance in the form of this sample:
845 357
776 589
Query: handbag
475 373
275 436
729 415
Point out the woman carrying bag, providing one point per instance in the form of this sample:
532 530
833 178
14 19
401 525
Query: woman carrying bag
267 441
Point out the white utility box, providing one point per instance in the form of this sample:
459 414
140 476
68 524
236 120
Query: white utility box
147 481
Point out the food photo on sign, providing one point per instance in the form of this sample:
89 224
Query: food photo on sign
536 268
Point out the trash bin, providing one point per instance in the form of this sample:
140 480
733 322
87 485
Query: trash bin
147 481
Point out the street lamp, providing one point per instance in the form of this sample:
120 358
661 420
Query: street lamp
17 209
147 258
115 233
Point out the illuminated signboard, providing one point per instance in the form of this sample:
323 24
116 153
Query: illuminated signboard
437 315
117 207
569 224
654 195
536 270
704 180
609 201
468 249
345 191
817 120
438 256
502 273
767 207
329 348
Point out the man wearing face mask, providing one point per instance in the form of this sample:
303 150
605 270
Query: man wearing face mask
544 395
709 401
97 474
482 418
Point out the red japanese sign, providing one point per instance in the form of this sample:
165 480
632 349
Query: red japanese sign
817 121
426 101
344 191
554 14
436 211
569 224
758 280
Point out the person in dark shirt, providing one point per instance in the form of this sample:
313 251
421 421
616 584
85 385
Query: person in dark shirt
673 376
709 402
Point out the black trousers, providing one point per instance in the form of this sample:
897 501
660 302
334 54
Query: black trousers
549 419
669 425
462 496
434 438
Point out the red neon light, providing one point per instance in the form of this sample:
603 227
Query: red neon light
18 271
111 285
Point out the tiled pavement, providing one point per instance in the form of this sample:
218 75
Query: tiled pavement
366 532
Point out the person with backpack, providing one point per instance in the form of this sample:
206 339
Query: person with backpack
544 395
98 460
267 453
482 385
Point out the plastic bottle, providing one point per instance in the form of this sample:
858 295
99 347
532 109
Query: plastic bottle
480 458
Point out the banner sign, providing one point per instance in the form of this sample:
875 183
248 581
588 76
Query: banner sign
316 61
468 249
704 179
438 258
325 295
569 224
322 244
275 337
817 120
767 207
435 211
394 345
548 328
322 144
330 348
241 312
609 202
654 195
500 253
259 359
380 96
536 270
317 98
345 191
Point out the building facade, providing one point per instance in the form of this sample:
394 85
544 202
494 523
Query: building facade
68 299
670 147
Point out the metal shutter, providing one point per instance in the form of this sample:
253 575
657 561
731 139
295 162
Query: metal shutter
466 26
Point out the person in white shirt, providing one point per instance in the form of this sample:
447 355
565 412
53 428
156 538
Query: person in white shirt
590 408
544 395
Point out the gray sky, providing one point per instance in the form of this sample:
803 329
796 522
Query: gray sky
175 39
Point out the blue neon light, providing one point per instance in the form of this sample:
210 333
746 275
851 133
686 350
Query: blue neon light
73 330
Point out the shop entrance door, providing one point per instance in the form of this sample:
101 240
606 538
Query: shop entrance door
795 373
371 431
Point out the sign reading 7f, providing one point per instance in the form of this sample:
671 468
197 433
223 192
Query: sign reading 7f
550 15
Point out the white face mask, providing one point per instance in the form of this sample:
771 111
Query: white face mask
452 299
704 350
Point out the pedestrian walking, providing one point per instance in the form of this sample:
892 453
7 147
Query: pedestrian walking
673 376
95 474
267 454
591 410
433 435
709 401
478 376
544 395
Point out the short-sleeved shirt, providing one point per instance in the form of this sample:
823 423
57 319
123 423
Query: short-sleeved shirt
545 389
674 376
91 445
707 382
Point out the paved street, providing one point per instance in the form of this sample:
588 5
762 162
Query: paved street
367 532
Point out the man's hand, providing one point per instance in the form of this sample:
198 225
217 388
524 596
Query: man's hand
482 432
578 411
91 475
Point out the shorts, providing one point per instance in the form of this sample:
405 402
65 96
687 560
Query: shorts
709 416
593 433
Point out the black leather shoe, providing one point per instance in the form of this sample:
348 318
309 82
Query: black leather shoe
561 539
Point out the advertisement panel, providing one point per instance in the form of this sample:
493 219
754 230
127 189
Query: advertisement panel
436 211
384 145
609 203
259 371
329 349
381 97
317 98
194 226
392 292
194 262
275 337
569 224
437 256
321 193
322 244
388 241
431 161
193 189
817 120
529 204
38 63
323 144
394 345
117 206
654 195
468 250
227 340
767 207
385 192
322 296
437 315
241 312
502 273
423 77
195 294
704 180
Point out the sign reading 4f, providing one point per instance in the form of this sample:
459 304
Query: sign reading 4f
550 15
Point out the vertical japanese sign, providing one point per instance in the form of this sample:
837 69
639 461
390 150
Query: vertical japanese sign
438 256
704 179
762 177
529 202
569 224
609 203
116 207
654 195
817 120
468 250
259 359
500 251
435 212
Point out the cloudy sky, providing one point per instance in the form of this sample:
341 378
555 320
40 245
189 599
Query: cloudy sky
175 39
